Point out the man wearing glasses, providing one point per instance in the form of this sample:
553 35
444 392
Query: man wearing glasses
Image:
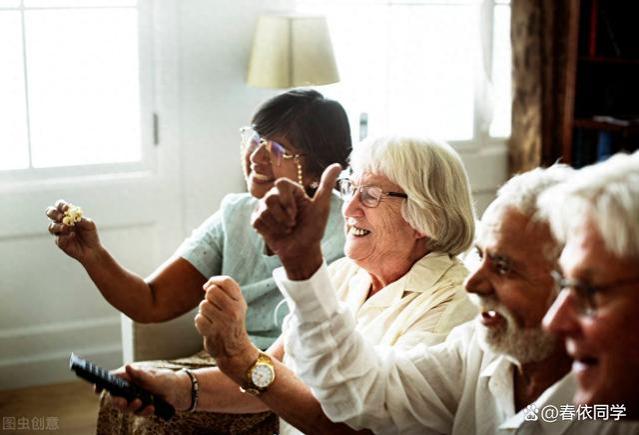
597 311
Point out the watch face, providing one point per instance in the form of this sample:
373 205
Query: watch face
262 375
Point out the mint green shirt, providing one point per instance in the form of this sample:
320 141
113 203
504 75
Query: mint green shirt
227 244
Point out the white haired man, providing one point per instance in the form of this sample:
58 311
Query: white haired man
597 311
491 375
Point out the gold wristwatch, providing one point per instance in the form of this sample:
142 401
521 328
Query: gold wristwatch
259 376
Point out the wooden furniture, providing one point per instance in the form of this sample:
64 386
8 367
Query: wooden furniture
601 102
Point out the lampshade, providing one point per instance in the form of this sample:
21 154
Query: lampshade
290 51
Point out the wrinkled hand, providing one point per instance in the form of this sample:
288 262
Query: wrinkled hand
291 223
174 387
220 321
79 241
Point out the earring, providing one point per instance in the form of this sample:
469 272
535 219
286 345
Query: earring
299 171
314 184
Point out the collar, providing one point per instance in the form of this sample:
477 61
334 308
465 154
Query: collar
498 367
499 378
428 270
419 279
558 394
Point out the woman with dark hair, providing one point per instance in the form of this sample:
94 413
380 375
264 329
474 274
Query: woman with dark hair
305 121
295 135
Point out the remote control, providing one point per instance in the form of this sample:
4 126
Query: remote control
118 386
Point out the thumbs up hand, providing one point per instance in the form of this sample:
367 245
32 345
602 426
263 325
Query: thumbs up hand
292 224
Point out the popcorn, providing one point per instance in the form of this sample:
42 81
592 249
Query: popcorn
72 215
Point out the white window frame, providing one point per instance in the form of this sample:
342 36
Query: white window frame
481 140
30 178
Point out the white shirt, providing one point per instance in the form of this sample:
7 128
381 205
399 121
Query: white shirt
420 307
456 387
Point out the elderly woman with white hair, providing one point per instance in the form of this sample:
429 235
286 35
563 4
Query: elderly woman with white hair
408 216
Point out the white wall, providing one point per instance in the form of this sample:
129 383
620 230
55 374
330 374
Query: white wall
487 169
215 42
49 307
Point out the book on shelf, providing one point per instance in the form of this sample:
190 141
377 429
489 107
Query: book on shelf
598 138
621 122
584 149
604 145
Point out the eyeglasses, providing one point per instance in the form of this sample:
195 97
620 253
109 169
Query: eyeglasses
251 140
370 196
584 293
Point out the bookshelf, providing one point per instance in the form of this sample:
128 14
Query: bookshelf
602 77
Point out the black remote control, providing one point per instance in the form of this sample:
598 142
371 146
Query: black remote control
118 386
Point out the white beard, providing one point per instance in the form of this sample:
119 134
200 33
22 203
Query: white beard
521 344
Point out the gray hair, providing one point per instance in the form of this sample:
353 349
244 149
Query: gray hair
432 174
522 191
607 193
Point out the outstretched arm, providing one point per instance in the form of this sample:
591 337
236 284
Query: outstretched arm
173 289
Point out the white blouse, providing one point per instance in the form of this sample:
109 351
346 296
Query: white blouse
419 308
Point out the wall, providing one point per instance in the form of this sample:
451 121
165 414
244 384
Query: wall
215 101
49 307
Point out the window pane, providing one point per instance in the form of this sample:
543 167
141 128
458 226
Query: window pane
359 40
83 86
317 5
436 2
394 68
431 83
13 113
501 73
77 3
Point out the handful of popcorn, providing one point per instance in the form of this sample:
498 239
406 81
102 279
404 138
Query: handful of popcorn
72 215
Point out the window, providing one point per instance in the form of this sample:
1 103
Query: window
69 83
434 68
